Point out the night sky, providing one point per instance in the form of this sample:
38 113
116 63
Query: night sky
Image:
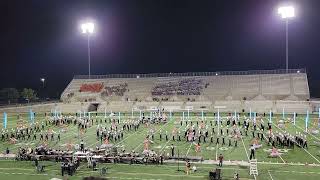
43 39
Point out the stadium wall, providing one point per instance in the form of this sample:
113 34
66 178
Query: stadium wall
260 91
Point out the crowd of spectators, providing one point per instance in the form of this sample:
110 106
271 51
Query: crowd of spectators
95 87
118 90
70 95
190 86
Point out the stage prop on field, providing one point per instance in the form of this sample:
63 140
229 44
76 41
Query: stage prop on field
31 116
270 116
218 116
5 119
306 121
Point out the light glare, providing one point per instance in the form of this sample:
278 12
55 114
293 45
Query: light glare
286 12
87 28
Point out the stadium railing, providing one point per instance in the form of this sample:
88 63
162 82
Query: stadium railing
28 104
152 75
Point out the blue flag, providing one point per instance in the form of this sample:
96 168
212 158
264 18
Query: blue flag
307 120
5 119
31 116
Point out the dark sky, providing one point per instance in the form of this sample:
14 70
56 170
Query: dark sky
42 38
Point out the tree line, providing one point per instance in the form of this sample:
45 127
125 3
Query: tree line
13 95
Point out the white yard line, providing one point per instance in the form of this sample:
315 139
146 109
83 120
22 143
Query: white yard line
281 158
311 155
264 136
126 173
159 175
163 147
217 146
189 149
119 141
137 147
173 166
270 175
126 138
245 148
38 141
247 155
298 172
154 133
308 133
94 139
28 174
168 141
302 147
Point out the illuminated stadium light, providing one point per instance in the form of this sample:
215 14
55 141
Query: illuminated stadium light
217 74
87 28
298 71
286 12
42 80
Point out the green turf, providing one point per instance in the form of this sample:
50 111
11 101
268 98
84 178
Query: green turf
25 170
134 141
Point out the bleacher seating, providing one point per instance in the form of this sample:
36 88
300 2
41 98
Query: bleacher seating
117 90
237 91
178 86
94 87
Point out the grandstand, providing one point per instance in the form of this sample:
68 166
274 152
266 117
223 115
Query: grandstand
140 96
260 91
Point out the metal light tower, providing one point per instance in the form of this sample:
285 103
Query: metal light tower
286 13
42 80
88 29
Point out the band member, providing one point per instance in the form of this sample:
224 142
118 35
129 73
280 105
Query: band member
106 141
146 143
220 160
223 142
188 165
166 135
82 146
252 152
197 147
172 150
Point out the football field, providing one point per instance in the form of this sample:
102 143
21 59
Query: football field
294 163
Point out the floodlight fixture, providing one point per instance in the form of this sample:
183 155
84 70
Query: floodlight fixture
286 12
87 28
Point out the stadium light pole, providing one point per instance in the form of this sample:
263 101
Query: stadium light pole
286 12
42 80
88 29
